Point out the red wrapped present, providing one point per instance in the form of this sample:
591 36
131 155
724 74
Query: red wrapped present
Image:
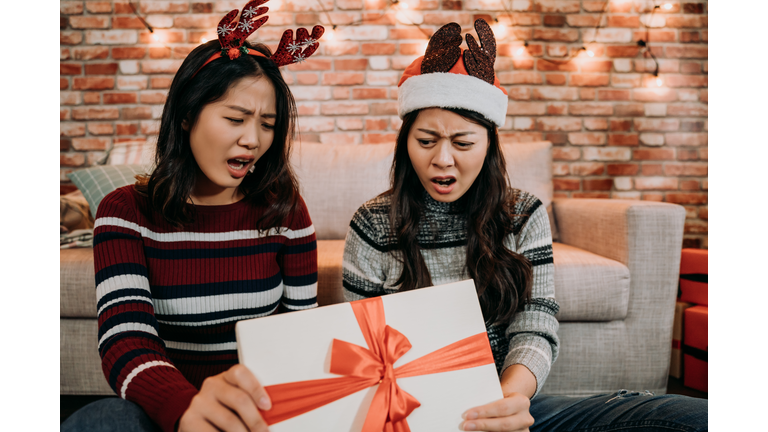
695 347
676 361
694 270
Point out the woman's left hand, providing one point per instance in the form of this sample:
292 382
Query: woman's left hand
509 415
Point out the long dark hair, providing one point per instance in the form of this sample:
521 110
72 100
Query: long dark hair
273 183
503 278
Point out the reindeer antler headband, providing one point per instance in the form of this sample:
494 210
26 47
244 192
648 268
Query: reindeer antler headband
449 77
233 32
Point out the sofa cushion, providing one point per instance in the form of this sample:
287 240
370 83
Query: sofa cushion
336 179
589 287
77 287
98 181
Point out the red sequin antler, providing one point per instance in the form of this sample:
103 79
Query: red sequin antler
233 32
290 51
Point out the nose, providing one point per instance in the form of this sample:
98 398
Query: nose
250 138
443 158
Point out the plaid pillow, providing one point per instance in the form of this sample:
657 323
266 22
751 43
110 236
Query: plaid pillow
132 152
96 182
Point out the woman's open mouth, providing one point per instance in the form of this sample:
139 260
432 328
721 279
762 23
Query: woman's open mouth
443 185
238 167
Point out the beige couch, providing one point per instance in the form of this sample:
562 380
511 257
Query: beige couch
616 270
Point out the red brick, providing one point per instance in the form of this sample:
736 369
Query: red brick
159 52
615 95
630 110
97 7
151 127
594 80
643 124
442 18
153 97
160 82
520 19
202 7
312 64
566 153
687 51
556 6
588 94
692 67
652 170
653 196
136 113
119 53
654 95
690 36
376 124
526 64
621 125
566 184
506 78
93 83
101 68
119 98
70 37
378 48
95 113
590 108
632 21
556 79
340 48
369 93
570 35
655 183
688 110
70 69
127 128
127 22
687 154
160 66
72 129
592 195
687 139
350 64
626 80
520 137
91 143
158 7
519 93
583 20
692 125
100 129
622 169
695 227
89 22
595 124
587 168
554 93
559 124
90 53
71 7
344 108
686 80
196 21
526 108
598 184
596 65
412 48
70 98
72 159
560 169
383 108
557 109
622 50
623 139
343 78
379 138
307 78
92 98
655 36
586 138
557 50
686 169
554 20
557 138
687 198
653 154
684 21
409 33
703 211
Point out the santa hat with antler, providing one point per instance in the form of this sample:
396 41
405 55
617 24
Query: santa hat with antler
450 77
234 30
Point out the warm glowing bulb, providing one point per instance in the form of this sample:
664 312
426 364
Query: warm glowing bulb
520 51
403 5
668 6
203 40
590 53
156 37
659 82
499 30
330 35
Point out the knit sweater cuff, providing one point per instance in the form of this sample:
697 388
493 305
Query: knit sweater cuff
174 408
533 352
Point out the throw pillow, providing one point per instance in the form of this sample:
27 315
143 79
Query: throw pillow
132 153
96 182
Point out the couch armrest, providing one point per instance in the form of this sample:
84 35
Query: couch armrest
647 237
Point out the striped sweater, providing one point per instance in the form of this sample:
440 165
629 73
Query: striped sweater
168 299
370 268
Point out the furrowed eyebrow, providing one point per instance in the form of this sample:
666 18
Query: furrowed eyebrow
458 134
245 111
269 116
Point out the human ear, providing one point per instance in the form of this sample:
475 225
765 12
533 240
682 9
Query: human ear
185 125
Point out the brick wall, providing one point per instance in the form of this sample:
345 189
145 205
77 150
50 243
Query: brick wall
617 132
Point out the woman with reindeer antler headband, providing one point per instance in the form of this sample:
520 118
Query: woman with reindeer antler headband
215 234
450 215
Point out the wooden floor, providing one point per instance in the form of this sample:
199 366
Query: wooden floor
70 404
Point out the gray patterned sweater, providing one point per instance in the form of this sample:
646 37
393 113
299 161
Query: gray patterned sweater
370 269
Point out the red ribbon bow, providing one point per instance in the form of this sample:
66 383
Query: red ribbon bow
363 368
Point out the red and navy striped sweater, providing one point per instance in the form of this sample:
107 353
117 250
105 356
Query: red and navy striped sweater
168 299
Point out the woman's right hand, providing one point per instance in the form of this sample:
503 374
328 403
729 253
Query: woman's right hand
230 402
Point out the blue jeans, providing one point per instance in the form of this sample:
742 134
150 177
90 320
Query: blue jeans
621 411
110 415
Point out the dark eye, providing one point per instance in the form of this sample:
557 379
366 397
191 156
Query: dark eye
268 126
424 142
463 144
234 120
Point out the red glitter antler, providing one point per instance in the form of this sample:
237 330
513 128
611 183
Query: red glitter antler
443 49
233 33
478 60
290 51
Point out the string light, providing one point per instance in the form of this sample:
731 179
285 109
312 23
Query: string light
659 82
203 40
499 29
668 6
521 50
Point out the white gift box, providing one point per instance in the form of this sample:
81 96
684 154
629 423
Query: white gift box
296 347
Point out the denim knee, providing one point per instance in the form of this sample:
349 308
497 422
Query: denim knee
110 415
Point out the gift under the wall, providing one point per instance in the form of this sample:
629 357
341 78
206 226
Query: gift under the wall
695 348
694 271
407 361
